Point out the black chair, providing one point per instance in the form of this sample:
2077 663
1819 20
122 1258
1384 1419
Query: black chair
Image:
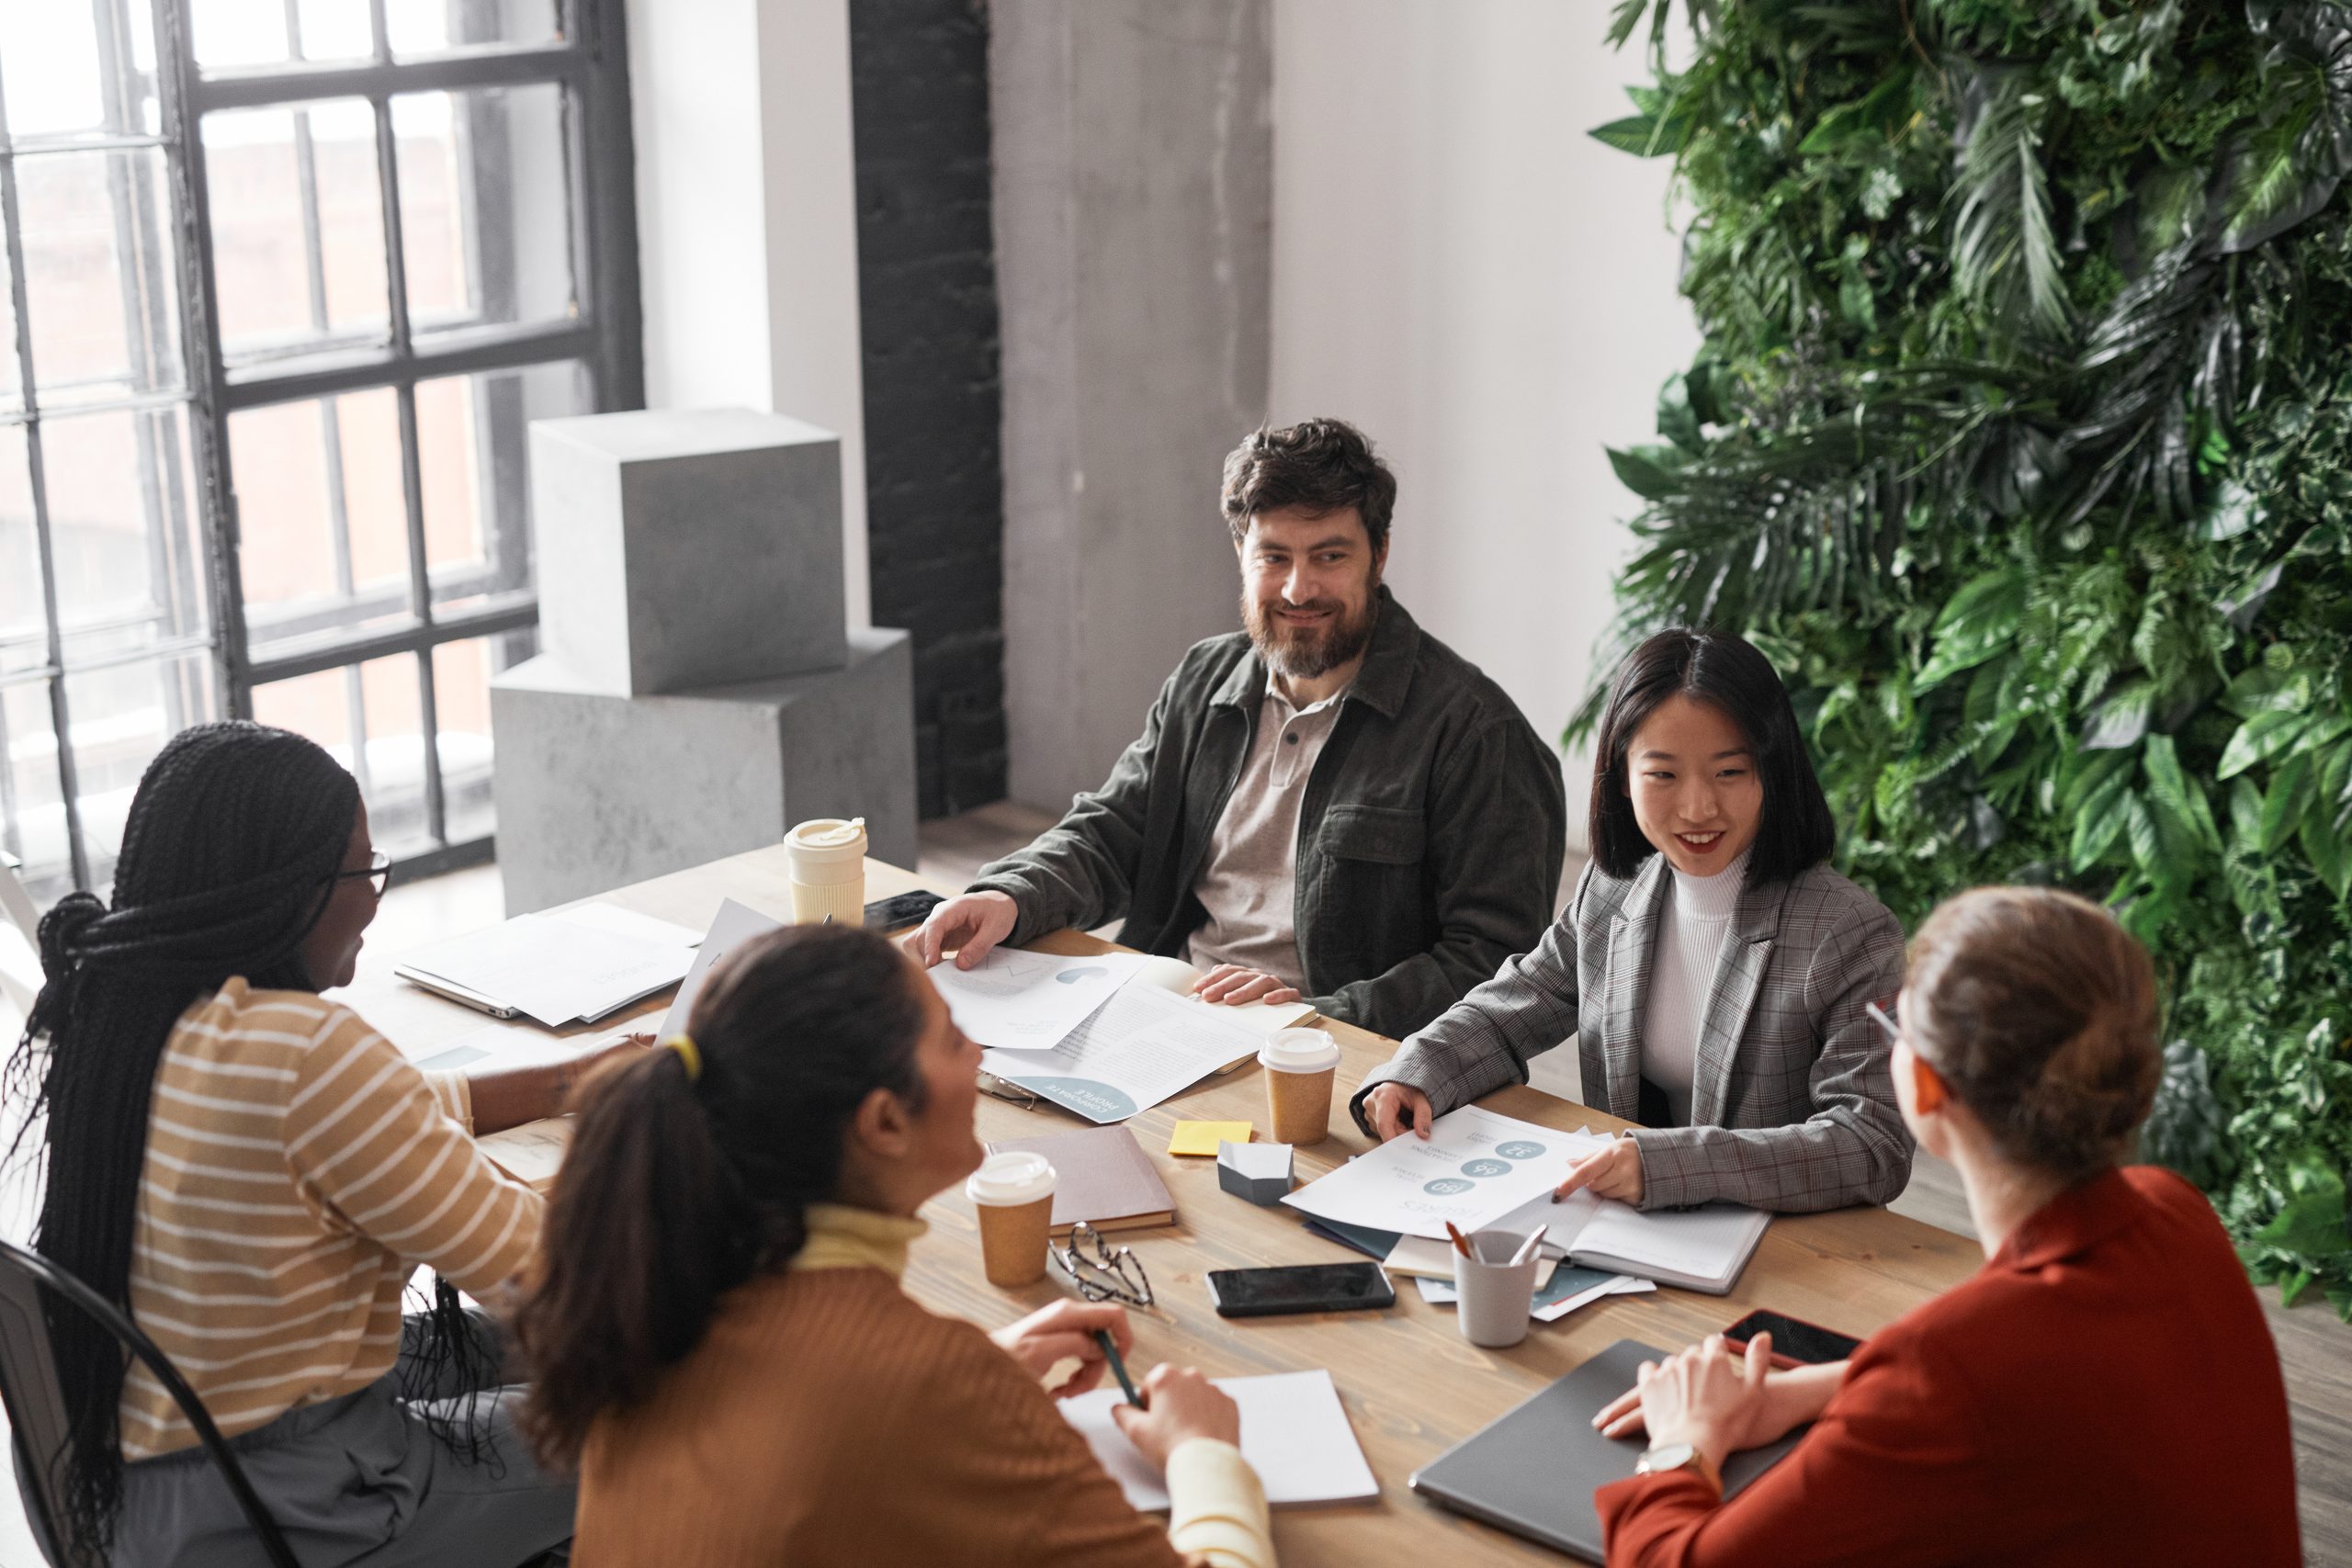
36 1405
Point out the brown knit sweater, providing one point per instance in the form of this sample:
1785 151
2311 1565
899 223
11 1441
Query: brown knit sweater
827 1418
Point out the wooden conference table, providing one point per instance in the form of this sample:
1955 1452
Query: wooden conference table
1411 1384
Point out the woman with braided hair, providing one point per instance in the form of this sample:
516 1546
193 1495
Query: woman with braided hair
253 1174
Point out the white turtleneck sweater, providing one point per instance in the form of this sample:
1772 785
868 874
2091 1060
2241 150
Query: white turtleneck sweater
1693 928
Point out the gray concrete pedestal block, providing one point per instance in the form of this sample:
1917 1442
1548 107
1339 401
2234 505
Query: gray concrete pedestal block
597 791
680 548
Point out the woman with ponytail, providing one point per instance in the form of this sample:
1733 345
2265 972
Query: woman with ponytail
253 1174
719 1345
2103 1390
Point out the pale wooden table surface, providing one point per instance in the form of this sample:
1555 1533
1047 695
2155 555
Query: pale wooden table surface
1411 1384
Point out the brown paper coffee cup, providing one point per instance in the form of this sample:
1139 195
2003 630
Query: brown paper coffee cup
1300 1065
1013 1193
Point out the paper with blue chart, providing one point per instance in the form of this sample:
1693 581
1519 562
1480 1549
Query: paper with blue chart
1145 1044
1472 1168
1030 1000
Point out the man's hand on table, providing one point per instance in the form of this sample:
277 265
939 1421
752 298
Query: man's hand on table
1233 985
970 925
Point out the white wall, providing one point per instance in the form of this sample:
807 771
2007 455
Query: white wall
1489 293
747 222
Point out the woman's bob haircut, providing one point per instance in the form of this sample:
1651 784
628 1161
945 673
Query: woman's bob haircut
1796 832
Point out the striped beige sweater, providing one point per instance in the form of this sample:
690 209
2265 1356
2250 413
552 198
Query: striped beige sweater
297 1170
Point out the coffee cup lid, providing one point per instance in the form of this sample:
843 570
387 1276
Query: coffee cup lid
828 833
1299 1051
1014 1175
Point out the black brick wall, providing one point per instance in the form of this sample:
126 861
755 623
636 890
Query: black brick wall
927 303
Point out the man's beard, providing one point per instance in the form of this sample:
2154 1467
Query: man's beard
1303 653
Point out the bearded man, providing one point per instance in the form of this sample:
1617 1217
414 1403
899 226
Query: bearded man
1330 805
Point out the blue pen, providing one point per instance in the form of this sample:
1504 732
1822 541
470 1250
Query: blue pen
1119 1368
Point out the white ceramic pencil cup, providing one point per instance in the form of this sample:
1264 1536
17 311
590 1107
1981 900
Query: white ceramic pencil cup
1494 1298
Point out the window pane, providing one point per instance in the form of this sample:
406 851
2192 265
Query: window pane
365 715
485 213
98 276
324 545
298 228
12 390
23 628
54 69
32 822
255 32
461 673
121 717
428 27
122 525
472 436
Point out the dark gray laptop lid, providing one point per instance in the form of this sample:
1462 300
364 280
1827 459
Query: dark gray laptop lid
1533 1471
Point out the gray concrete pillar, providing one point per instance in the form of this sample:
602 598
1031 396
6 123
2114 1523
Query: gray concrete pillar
1133 215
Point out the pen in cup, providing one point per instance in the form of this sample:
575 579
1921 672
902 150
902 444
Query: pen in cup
1119 1369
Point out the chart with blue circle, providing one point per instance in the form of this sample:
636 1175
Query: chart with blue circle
1447 1187
1487 1167
1521 1150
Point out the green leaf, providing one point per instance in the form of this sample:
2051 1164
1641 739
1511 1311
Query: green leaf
2004 250
2179 794
2104 814
1867 119
2330 856
1641 135
1639 472
2258 739
1981 619
2285 802
2121 718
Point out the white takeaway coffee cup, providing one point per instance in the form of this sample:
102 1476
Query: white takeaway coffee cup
828 862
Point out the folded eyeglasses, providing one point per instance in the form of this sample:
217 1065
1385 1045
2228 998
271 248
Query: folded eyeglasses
1102 1272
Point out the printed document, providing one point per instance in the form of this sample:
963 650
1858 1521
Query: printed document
734 925
1472 1168
1029 1001
567 966
1295 1434
1145 1044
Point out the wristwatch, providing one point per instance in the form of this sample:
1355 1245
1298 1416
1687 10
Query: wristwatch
1669 1456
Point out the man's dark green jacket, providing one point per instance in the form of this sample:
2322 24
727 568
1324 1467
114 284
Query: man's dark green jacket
1429 839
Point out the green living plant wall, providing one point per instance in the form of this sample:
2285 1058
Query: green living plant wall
2021 440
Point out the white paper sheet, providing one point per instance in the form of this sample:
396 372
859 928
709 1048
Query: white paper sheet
532 1152
734 925
561 969
1030 1001
1441 1293
1473 1166
1145 1044
1293 1433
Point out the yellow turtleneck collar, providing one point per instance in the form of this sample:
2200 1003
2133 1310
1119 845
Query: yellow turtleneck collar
844 1238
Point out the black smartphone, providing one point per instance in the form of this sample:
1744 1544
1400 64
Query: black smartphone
905 910
1305 1287
1795 1342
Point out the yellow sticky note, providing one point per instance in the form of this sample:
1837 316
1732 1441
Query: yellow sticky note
1202 1137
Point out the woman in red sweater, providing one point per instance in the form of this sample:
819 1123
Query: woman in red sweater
2104 1390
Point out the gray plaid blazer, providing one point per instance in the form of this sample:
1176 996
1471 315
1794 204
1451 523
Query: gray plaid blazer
1793 1107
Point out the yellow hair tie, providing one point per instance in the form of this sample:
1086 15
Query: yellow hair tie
687 1054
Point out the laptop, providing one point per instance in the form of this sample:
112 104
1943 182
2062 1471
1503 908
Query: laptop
1534 1470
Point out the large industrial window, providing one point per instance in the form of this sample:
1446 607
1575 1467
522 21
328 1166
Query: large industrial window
283 283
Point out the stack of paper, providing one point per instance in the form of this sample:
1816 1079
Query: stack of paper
1293 1433
567 966
1567 1290
1105 1036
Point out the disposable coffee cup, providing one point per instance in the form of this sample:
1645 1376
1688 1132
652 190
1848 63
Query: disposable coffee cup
828 859
1300 1064
1013 1195
1493 1299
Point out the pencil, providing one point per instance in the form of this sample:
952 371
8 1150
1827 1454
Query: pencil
1119 1368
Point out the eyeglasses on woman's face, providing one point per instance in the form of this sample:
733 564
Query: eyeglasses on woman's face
379 873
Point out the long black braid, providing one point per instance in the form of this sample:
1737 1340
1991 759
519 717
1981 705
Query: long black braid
228 861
